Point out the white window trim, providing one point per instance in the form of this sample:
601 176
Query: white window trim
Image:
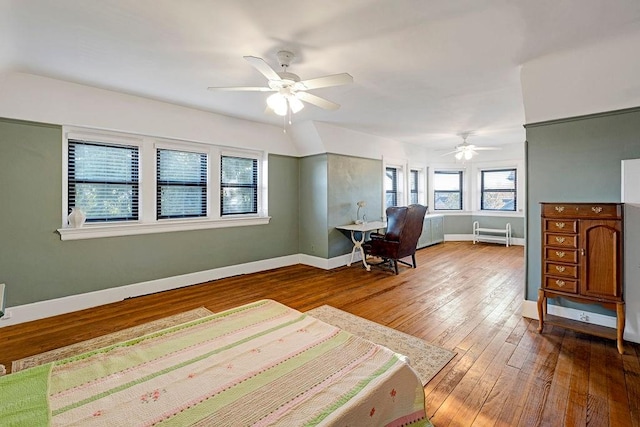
403 181
476 170
465 190
422 184
147 222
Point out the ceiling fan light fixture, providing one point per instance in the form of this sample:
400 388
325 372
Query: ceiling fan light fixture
468 154
295 104
278 103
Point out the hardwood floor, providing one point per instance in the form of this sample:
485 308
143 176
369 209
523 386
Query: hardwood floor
464 297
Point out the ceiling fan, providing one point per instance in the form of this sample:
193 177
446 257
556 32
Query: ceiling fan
466 151
289 90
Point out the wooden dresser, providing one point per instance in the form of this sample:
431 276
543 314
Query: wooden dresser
582 261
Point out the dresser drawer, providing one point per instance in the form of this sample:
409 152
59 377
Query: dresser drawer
581 210
564 285
562 255
561 240
561 225
564 270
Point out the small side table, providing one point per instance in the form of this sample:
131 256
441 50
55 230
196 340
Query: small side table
357 244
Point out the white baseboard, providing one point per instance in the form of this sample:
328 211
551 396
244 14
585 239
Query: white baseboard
515 241
328 264
57 306
530 310
68 304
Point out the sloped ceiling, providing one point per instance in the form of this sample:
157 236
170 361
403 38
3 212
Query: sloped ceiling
424 71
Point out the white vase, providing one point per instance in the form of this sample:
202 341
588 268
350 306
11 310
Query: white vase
76 218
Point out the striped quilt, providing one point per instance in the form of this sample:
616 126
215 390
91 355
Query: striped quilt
261 364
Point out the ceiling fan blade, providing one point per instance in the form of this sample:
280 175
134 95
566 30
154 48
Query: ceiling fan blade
317 101
487 148
260 65
326 81
450 152
243 89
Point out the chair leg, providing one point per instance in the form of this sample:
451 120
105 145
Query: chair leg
395 265
413 257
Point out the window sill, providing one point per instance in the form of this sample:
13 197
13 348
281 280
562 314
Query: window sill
96 231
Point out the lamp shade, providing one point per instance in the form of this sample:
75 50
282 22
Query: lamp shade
278 103
295 104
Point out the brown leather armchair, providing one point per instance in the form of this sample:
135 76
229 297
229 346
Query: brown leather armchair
404 227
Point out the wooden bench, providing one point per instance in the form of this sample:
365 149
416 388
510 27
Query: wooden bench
480 233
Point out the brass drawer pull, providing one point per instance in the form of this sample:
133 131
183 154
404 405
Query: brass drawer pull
559 239
559 208
560 268
560 283
560 254
596 209
560 224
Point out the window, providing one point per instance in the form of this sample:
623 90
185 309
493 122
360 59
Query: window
447 190
391 186
181 184
413 186
238 185
135 184
498 190
102 180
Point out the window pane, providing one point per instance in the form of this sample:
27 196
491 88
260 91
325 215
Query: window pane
238 201
447 181
391 187
103 180
502 201
236 170
499 180
239 185
391 180
448 200
448 190
413 186
181 184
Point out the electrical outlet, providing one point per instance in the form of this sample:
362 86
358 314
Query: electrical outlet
584 317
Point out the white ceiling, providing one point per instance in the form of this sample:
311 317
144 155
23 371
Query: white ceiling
424 70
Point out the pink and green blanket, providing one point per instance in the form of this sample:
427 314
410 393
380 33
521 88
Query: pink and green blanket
259 364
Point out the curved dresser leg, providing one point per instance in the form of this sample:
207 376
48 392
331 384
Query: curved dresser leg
620 326
542 302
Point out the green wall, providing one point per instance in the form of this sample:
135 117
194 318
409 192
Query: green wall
36 265
313 206
463 224
574 160
330 186
351 179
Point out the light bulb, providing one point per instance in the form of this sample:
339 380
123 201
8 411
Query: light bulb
459 155
468 154
295 104
278 104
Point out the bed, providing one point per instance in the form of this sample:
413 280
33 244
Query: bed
259 364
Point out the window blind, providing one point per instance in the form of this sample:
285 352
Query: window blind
413 185
181 184
391 186
238 185
103 180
